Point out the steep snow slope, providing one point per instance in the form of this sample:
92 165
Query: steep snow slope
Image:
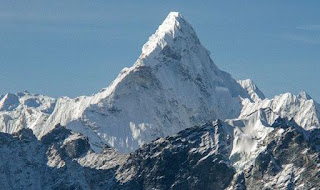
173 85
248 136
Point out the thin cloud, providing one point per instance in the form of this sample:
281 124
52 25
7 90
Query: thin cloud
314 27
308 34
304 38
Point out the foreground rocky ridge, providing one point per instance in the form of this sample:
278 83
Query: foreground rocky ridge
54 162
197 157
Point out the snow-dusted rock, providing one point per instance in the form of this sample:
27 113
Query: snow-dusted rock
194 158
29 163
290 161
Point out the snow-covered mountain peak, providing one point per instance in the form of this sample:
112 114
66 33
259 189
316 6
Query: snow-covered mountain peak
252 89
173 20
172 86
173 38
175 14
9 102
175 25
304 95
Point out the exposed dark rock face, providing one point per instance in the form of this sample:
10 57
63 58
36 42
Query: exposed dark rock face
188 160
238 182
57 135
74 148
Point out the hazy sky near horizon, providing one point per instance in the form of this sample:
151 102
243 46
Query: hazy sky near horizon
76 48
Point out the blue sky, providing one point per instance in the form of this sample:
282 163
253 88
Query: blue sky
78 47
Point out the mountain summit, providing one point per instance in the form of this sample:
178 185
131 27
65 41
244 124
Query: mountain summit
173 85
173 29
